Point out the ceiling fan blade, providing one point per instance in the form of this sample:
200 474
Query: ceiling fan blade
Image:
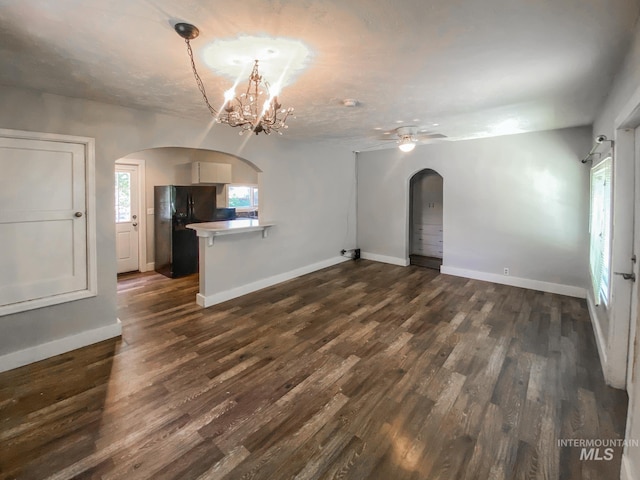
429 136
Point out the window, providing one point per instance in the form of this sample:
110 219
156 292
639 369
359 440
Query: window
123 197
600 230
242 197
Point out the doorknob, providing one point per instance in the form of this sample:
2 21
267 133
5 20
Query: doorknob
135 224
78 214
627 276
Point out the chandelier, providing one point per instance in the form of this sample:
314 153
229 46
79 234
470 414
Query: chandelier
250 110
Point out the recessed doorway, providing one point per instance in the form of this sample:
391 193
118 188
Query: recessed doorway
426 226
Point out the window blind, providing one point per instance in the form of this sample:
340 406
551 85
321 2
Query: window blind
600 230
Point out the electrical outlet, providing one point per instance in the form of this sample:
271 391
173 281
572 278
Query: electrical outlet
506 270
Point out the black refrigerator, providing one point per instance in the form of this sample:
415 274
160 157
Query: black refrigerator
175 207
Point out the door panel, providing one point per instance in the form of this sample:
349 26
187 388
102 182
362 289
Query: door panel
51 171
181 206
43 222
204 203
124 245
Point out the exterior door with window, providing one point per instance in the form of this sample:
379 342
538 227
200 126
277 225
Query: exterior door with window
127 217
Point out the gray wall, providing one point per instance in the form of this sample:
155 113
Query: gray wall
172 166
293 197
518 201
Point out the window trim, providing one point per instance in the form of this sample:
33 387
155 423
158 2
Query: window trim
600 251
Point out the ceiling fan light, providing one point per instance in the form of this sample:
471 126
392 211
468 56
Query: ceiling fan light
407 147
406 144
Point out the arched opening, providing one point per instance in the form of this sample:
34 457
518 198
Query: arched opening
426 219
143 239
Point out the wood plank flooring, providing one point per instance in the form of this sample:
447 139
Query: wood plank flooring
359 371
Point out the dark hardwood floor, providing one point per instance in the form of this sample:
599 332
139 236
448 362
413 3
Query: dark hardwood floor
359 371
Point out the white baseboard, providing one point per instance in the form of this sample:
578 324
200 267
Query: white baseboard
627 472
403 262
149 267
209 300
549 287
56 347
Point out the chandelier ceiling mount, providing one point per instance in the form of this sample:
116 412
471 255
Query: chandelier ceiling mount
187 31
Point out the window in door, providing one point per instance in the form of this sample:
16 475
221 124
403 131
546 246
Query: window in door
123 197
600 230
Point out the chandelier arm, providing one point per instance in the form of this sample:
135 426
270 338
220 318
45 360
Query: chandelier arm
199 80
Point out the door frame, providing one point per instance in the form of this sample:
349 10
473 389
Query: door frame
142 205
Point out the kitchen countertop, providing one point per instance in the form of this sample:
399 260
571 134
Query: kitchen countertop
211 230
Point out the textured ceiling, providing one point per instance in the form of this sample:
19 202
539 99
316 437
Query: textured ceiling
462 68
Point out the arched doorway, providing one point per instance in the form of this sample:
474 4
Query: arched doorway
164 166
426 224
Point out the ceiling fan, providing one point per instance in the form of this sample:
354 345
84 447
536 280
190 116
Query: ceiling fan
407 136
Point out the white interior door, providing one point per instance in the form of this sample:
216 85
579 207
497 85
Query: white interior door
634 332
43 221
631 460
127 216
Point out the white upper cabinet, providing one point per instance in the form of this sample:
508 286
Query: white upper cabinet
207 172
